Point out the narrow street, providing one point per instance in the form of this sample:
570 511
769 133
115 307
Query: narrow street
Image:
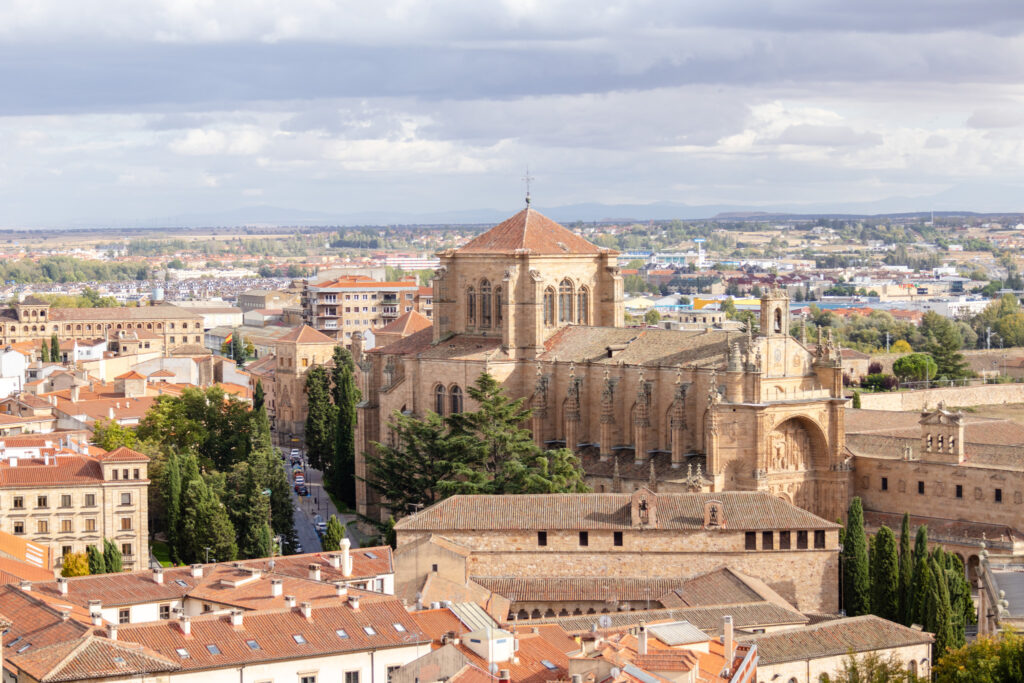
316 503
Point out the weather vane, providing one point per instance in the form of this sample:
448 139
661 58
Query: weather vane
526 179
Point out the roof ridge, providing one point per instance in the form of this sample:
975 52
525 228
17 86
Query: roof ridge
68 658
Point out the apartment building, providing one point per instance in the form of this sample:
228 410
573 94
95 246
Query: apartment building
355 303
64 496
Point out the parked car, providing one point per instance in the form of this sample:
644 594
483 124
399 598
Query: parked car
301 490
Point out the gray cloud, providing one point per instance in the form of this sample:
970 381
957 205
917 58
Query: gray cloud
826 136
997 117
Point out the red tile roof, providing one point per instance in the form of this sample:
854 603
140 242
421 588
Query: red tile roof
124 454
406 324
91 657
304 334
532 231
273 631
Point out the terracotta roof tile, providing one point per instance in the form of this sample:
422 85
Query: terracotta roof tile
304 334
124 454
578 589
131 374
273 631
744 510
413 344
532 231
406 324
91 657
834 639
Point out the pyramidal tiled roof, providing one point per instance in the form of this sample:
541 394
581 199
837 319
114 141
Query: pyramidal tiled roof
410 322
532 231
304 334
92 657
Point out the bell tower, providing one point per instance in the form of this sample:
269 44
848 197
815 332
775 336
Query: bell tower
775 313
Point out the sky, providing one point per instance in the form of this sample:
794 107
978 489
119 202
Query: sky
120 111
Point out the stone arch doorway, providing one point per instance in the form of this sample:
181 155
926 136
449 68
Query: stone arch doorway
973 570
797 444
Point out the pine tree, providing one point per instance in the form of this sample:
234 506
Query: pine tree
96 563
906 573
44 353
172 502
258 396
54 349
320 418
856 575
112 559
885 575
341 476
333 535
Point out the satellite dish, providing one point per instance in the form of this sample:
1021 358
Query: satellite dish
605 621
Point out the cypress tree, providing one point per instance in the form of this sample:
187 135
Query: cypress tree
921 544
258 396
342 477
319 418
112 557
54 348
333 535
906 577
44 353
172 503
940 612
206 524
885 576
856 574
96 563
960 601
920 600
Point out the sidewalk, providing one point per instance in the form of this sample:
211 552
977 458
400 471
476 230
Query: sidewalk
319 503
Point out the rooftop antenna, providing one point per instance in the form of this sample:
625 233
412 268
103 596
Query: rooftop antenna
526 179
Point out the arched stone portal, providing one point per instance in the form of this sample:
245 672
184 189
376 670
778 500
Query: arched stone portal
795 461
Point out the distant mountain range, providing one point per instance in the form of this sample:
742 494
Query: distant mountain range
961 199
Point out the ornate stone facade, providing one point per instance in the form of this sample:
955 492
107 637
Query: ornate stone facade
541 309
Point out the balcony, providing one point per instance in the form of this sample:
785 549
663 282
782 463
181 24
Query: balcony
389 312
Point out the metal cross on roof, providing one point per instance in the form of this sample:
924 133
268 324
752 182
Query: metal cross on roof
526 179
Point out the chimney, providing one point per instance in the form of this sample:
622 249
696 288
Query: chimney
25 586
307 610
334 558
275 588
95 606
158 575
97 619
727 642
62 584
576 678
110 412
346 557
197 571
504 676
74 392
112 632
236 618
314 572
342 590
289 600
65 615
186 625
641 639
353 602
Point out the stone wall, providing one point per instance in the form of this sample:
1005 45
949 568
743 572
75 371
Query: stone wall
980 395
810 671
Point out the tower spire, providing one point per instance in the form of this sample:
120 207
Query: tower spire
526 179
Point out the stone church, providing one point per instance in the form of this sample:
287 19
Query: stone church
541 309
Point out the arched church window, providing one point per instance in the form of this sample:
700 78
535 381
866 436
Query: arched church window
485 303
929 441
941 439
565 302
549 306
778 320
439 399
471 306
497 306
583 306
456 399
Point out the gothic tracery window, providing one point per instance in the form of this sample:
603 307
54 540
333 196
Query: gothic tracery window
582 306
485 303
497 306
471 306
549 306
439 399
565 302
456 399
